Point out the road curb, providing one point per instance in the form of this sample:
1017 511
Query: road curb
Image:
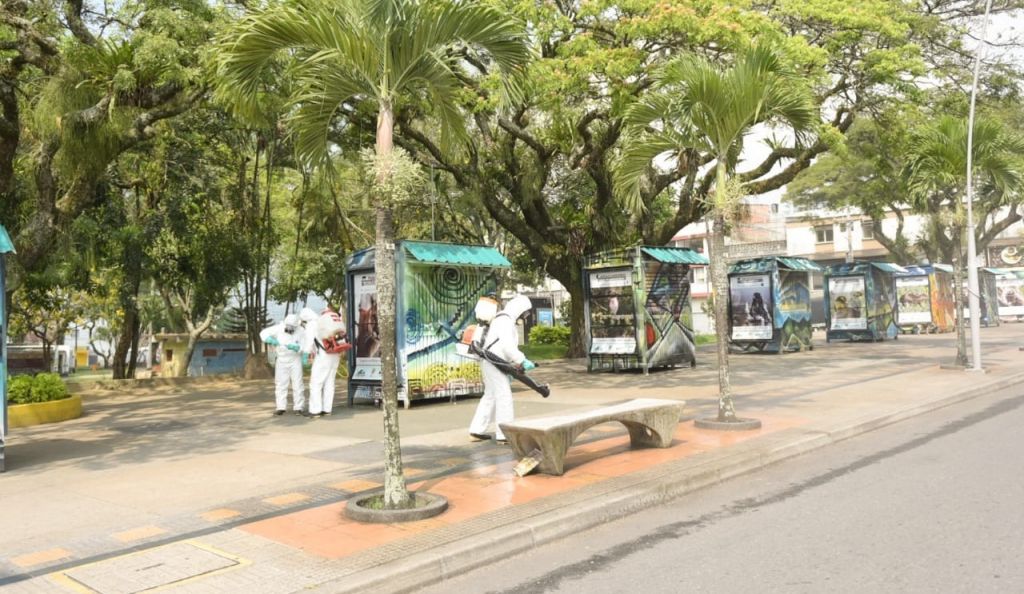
504 533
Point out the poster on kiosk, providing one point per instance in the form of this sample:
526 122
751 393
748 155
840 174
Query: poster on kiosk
366 339
848 306
750 297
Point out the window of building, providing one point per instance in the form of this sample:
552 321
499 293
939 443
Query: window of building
823 234
699 275
867 229
775 209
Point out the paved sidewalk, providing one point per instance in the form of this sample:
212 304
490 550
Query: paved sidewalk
197 488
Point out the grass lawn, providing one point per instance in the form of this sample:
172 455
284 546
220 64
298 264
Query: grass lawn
542 352
705 339
90 374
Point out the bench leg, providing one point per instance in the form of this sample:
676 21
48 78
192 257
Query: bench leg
643 436
552 446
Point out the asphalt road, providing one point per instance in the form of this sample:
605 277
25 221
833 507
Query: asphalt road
932 504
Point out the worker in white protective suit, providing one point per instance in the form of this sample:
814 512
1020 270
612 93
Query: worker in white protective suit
501 339
329 343
286 337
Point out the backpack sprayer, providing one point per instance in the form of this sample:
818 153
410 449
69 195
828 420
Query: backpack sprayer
469 344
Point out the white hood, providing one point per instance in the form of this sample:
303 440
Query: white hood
517 306
307 315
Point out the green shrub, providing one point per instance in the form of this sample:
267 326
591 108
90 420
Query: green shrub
25 389
550 335
47 387
19 389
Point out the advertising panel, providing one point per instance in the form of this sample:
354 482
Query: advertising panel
846 303
915 300
1010 293
612 313
367 332
751 315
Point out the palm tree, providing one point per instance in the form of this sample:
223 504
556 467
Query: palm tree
703 112
384 51
936 176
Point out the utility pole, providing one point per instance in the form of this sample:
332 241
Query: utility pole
972 257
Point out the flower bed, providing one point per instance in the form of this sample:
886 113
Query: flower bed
43 398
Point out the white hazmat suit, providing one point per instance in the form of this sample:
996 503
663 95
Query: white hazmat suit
288 366
502 339
325 363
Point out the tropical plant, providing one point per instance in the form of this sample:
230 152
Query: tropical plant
704 112
936 174
388 53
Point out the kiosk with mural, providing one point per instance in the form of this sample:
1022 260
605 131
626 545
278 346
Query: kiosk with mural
860 301
770 304
436 283
6 247
637 308
925 299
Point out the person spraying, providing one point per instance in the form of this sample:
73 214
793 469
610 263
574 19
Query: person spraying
329 342
501 340
286 337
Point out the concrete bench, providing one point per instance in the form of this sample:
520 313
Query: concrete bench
651 423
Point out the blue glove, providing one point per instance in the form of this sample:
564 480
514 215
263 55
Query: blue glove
528 365
272 341
294 347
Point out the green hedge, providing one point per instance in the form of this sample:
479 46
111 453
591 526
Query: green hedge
44 387
550 335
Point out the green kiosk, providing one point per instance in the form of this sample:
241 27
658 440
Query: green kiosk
637 308
435 283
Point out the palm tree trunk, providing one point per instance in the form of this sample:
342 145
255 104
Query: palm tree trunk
720 284
396 495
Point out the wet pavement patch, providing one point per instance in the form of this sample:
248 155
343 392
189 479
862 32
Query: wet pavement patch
153 568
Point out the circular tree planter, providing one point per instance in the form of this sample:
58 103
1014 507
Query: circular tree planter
737 425
369 508
37 413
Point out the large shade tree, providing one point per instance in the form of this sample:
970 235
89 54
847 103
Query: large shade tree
389 53
704 112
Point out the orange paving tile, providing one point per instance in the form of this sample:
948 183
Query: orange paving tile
411 472
325 531
30 559
356 485
223 513
139 533
286 499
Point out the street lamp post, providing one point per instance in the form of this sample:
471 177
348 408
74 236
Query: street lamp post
972 256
